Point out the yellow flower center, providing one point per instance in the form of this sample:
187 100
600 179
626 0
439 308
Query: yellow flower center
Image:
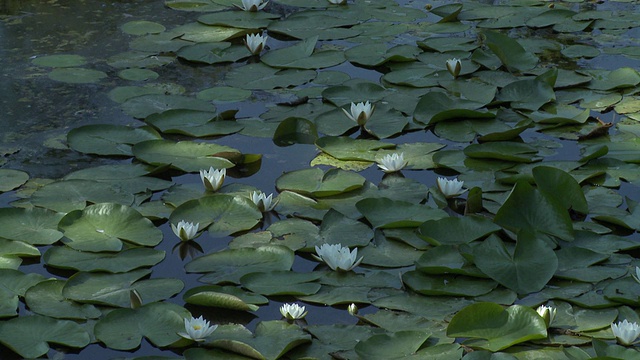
197 327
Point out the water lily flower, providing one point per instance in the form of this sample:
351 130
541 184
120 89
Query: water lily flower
293 311
454 66
255 43
353 309
263 202
360 112
252 5
392 162
636 277
213 179
197 329
548 313
185 230
338 2
625 332
337 257
450 188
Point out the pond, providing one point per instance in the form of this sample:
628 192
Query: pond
112 110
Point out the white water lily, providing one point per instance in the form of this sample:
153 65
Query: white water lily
263 202
293 311
337 257
338 2
197 329
185 230
213 179
450 188
625 332
392 162
352 309
360 112
454 66
252 5
548 313
255 43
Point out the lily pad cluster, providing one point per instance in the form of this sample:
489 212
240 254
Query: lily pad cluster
438 274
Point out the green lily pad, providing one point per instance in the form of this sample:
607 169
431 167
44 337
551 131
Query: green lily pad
222 214
142 106
542 213
377 54
66 258
489 326
108 139
386 213
518 271
281 283
185 155
33 226
231 265
45 298
123 329
14 283
104 227
193 123
12 252
239 19
272 339
68 195
314 182
303 56
60 61
213 53
391 346
447 285
512 55
29 336
115 289
73 75
456 230
142 27
562 186
265 77
11 179
226 297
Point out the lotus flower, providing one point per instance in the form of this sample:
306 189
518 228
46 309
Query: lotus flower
293 311
450 188
548 313
337 257
352 309
255 43
360 112
392 162
263 202
252 5
185 230
454 66
625 332
213 179
197 329
338 2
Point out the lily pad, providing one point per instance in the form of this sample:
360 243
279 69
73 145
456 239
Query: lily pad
66 258
108 139
11 179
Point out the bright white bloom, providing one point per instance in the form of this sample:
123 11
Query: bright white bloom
450 188
360 112
263 202
636 277
548 313
338 2
392 162
293 311
625 332
185 230
252 5
454 66
213 179
197 329
338 258
255 43
353 310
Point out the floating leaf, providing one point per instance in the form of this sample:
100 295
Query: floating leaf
30 336
108 139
